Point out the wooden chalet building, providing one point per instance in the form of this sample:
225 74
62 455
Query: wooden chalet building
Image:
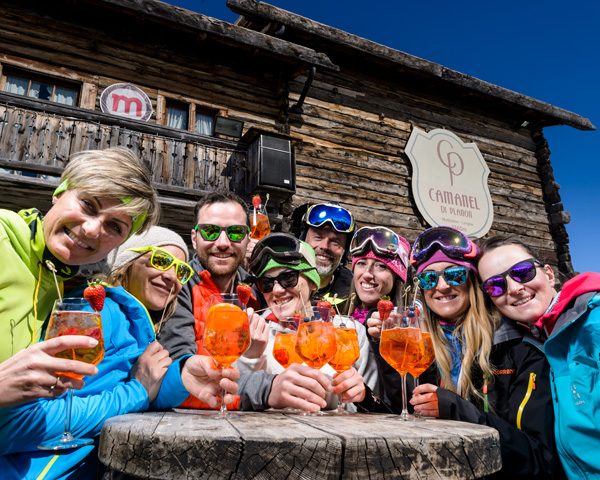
232 105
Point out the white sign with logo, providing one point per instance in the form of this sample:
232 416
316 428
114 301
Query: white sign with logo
126 100
449 181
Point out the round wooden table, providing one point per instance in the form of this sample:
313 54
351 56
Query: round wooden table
278 445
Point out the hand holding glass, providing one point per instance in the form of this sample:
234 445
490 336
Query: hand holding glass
227 333
69 318
402 347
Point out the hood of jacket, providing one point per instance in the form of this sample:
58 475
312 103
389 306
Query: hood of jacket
580 285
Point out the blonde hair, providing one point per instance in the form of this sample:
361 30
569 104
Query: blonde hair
475 332
121 276
119 173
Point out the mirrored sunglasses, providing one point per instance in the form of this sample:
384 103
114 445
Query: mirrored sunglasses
286 279
321 213
522 272
163 261
210 233
453 276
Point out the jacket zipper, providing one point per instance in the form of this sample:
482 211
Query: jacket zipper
530 388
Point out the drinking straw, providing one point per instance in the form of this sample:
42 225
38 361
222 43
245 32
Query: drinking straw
162 317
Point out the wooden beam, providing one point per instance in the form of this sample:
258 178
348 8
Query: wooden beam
179 19
549 114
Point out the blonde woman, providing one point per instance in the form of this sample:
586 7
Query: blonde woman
490 372
136 373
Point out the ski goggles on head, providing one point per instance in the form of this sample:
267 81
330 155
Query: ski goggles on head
380 240
340 219
287 279
453 243
163 261
281 247
453 276
210 233
522 272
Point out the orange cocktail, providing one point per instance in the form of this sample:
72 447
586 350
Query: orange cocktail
316 343
227 333
427 358
259 225
77 323
347 352
402 348
284 349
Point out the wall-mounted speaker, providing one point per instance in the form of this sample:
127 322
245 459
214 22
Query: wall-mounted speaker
271 164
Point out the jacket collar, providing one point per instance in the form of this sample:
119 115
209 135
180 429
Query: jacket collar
33 218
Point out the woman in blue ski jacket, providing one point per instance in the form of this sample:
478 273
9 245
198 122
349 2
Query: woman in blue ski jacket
135 375
523 289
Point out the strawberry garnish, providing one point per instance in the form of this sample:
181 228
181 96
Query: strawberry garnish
95 295
384 307
324 308
256 201
297 317
244 293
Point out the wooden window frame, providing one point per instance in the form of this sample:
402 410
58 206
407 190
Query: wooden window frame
164 98
43 78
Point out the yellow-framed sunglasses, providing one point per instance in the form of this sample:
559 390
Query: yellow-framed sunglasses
163 260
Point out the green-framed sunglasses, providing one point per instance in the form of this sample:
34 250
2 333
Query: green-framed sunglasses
210 233
163 260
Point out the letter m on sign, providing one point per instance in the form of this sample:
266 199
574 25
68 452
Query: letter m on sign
127 102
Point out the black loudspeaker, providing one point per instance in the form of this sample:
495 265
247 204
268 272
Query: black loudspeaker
271 165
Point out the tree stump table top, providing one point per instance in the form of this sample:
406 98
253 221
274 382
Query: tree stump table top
279 445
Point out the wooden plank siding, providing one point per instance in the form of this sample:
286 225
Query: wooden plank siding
350 148
349 139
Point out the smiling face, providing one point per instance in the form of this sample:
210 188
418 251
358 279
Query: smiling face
221 257
81 229
522 302
446 301
372 279
284 302
329 247
151 286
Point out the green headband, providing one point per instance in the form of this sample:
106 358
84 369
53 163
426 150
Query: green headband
136 222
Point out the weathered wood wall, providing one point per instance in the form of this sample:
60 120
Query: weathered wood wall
350 149
349 140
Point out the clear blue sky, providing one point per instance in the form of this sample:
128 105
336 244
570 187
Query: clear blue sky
547 49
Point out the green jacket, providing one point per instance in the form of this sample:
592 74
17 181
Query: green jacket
25 281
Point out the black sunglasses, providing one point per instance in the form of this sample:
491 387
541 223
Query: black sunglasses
522 272
210 233
287 279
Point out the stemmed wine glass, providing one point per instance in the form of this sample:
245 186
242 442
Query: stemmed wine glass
347 352
315 343
226 333
284 345
401 346
428 356
69 318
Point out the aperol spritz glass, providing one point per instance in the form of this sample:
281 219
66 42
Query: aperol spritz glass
284 345
226 333
347 351
71 316
259 221
401 346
